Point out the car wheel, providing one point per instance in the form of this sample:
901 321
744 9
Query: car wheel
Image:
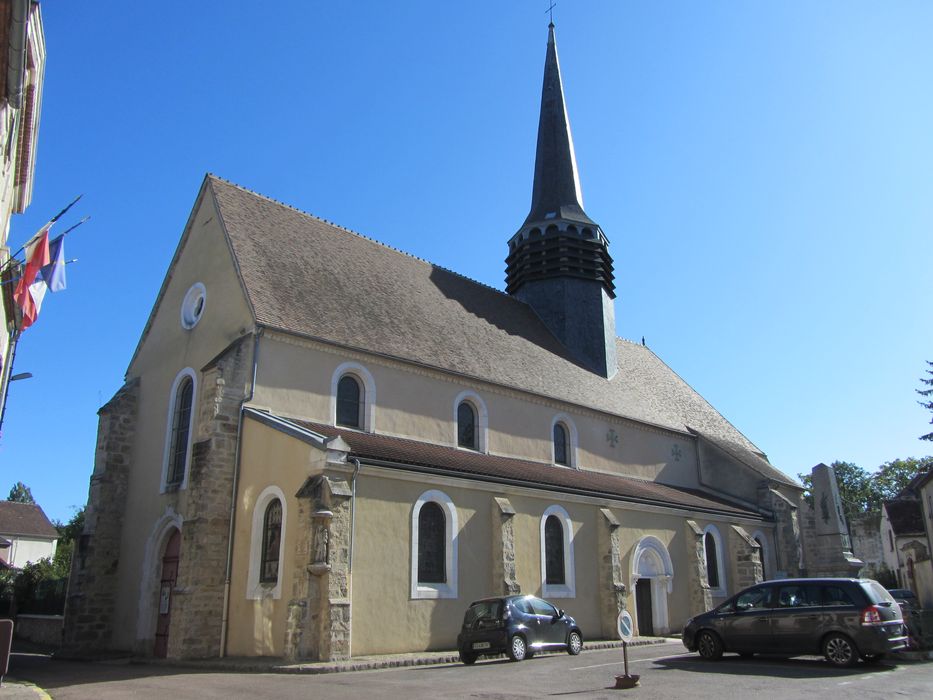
840 651
518 650
709 646
574 643
468 657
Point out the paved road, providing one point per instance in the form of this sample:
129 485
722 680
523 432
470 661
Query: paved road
666 672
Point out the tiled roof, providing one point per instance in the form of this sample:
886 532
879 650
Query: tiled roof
25 519
905 516
400 451
308 277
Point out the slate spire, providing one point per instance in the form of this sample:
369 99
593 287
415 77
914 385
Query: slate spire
559 261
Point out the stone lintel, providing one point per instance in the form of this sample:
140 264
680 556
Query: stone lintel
697 530
610 517
745 536
505 506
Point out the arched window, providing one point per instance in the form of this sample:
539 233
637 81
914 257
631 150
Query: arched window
180 424
715 564
349 402
712 561
557 564
561 451
554 551
271 541
267 563
466 426
432 536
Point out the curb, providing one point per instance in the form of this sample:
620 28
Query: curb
363 663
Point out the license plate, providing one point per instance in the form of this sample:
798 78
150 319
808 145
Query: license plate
480 645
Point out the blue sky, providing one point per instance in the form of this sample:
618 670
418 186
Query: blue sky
764 172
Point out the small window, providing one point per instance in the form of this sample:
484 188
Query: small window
561 455
835 596
192 307
349 402
554 551
712 561
271 539
755 599
181 428
542 607
466 426
432 536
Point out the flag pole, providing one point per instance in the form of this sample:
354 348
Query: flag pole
51 221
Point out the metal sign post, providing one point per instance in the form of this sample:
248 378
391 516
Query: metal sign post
626 627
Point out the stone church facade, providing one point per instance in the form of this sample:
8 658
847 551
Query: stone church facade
325 447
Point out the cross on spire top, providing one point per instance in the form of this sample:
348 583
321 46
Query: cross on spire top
550 11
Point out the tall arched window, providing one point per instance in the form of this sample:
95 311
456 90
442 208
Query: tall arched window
466 426
558 579
434 537
554 551
561 452
712 560
432 541
349 402
178 436
271 539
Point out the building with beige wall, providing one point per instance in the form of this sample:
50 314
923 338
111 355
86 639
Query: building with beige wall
326 447
22 71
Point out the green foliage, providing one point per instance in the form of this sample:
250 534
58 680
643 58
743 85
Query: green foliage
69 533
927 394
20 493
864 492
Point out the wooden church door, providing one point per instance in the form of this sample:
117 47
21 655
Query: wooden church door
167 584
643 607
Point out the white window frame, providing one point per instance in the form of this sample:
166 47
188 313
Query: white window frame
720 590
572 440
436 590
365 378
170 423
568 589
256 589
482 420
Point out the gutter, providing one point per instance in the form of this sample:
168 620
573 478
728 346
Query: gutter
225 620
16 68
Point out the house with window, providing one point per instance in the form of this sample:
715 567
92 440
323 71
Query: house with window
26 535
905 543
325 447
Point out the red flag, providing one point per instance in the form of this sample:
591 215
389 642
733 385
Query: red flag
37 257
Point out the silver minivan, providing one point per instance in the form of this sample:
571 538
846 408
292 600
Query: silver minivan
841 618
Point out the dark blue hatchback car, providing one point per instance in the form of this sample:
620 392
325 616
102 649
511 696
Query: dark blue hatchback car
516 625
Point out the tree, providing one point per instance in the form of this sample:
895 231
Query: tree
927 394
20 493
69 533
864 492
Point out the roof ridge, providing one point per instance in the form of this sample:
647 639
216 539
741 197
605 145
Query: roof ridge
363 236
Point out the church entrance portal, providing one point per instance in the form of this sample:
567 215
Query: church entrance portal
169 572
643 607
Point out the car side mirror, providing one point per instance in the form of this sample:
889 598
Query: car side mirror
560 613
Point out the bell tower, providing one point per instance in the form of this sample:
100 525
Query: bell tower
559 261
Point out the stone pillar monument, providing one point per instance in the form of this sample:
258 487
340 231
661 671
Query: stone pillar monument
831 553
613 591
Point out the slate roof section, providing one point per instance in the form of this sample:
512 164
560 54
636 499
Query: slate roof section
308 277
25 520
905 516
401 451
753 460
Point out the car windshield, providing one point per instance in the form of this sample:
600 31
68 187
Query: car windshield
484 610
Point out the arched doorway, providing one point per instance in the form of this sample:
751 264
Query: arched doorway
167 576
652 576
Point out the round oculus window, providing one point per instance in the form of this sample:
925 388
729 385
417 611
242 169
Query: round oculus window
192 308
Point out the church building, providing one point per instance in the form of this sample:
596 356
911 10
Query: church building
326 448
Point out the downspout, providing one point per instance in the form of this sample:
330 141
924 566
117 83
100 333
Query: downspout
356 472
225 620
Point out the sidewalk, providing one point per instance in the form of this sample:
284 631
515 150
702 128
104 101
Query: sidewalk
13 689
